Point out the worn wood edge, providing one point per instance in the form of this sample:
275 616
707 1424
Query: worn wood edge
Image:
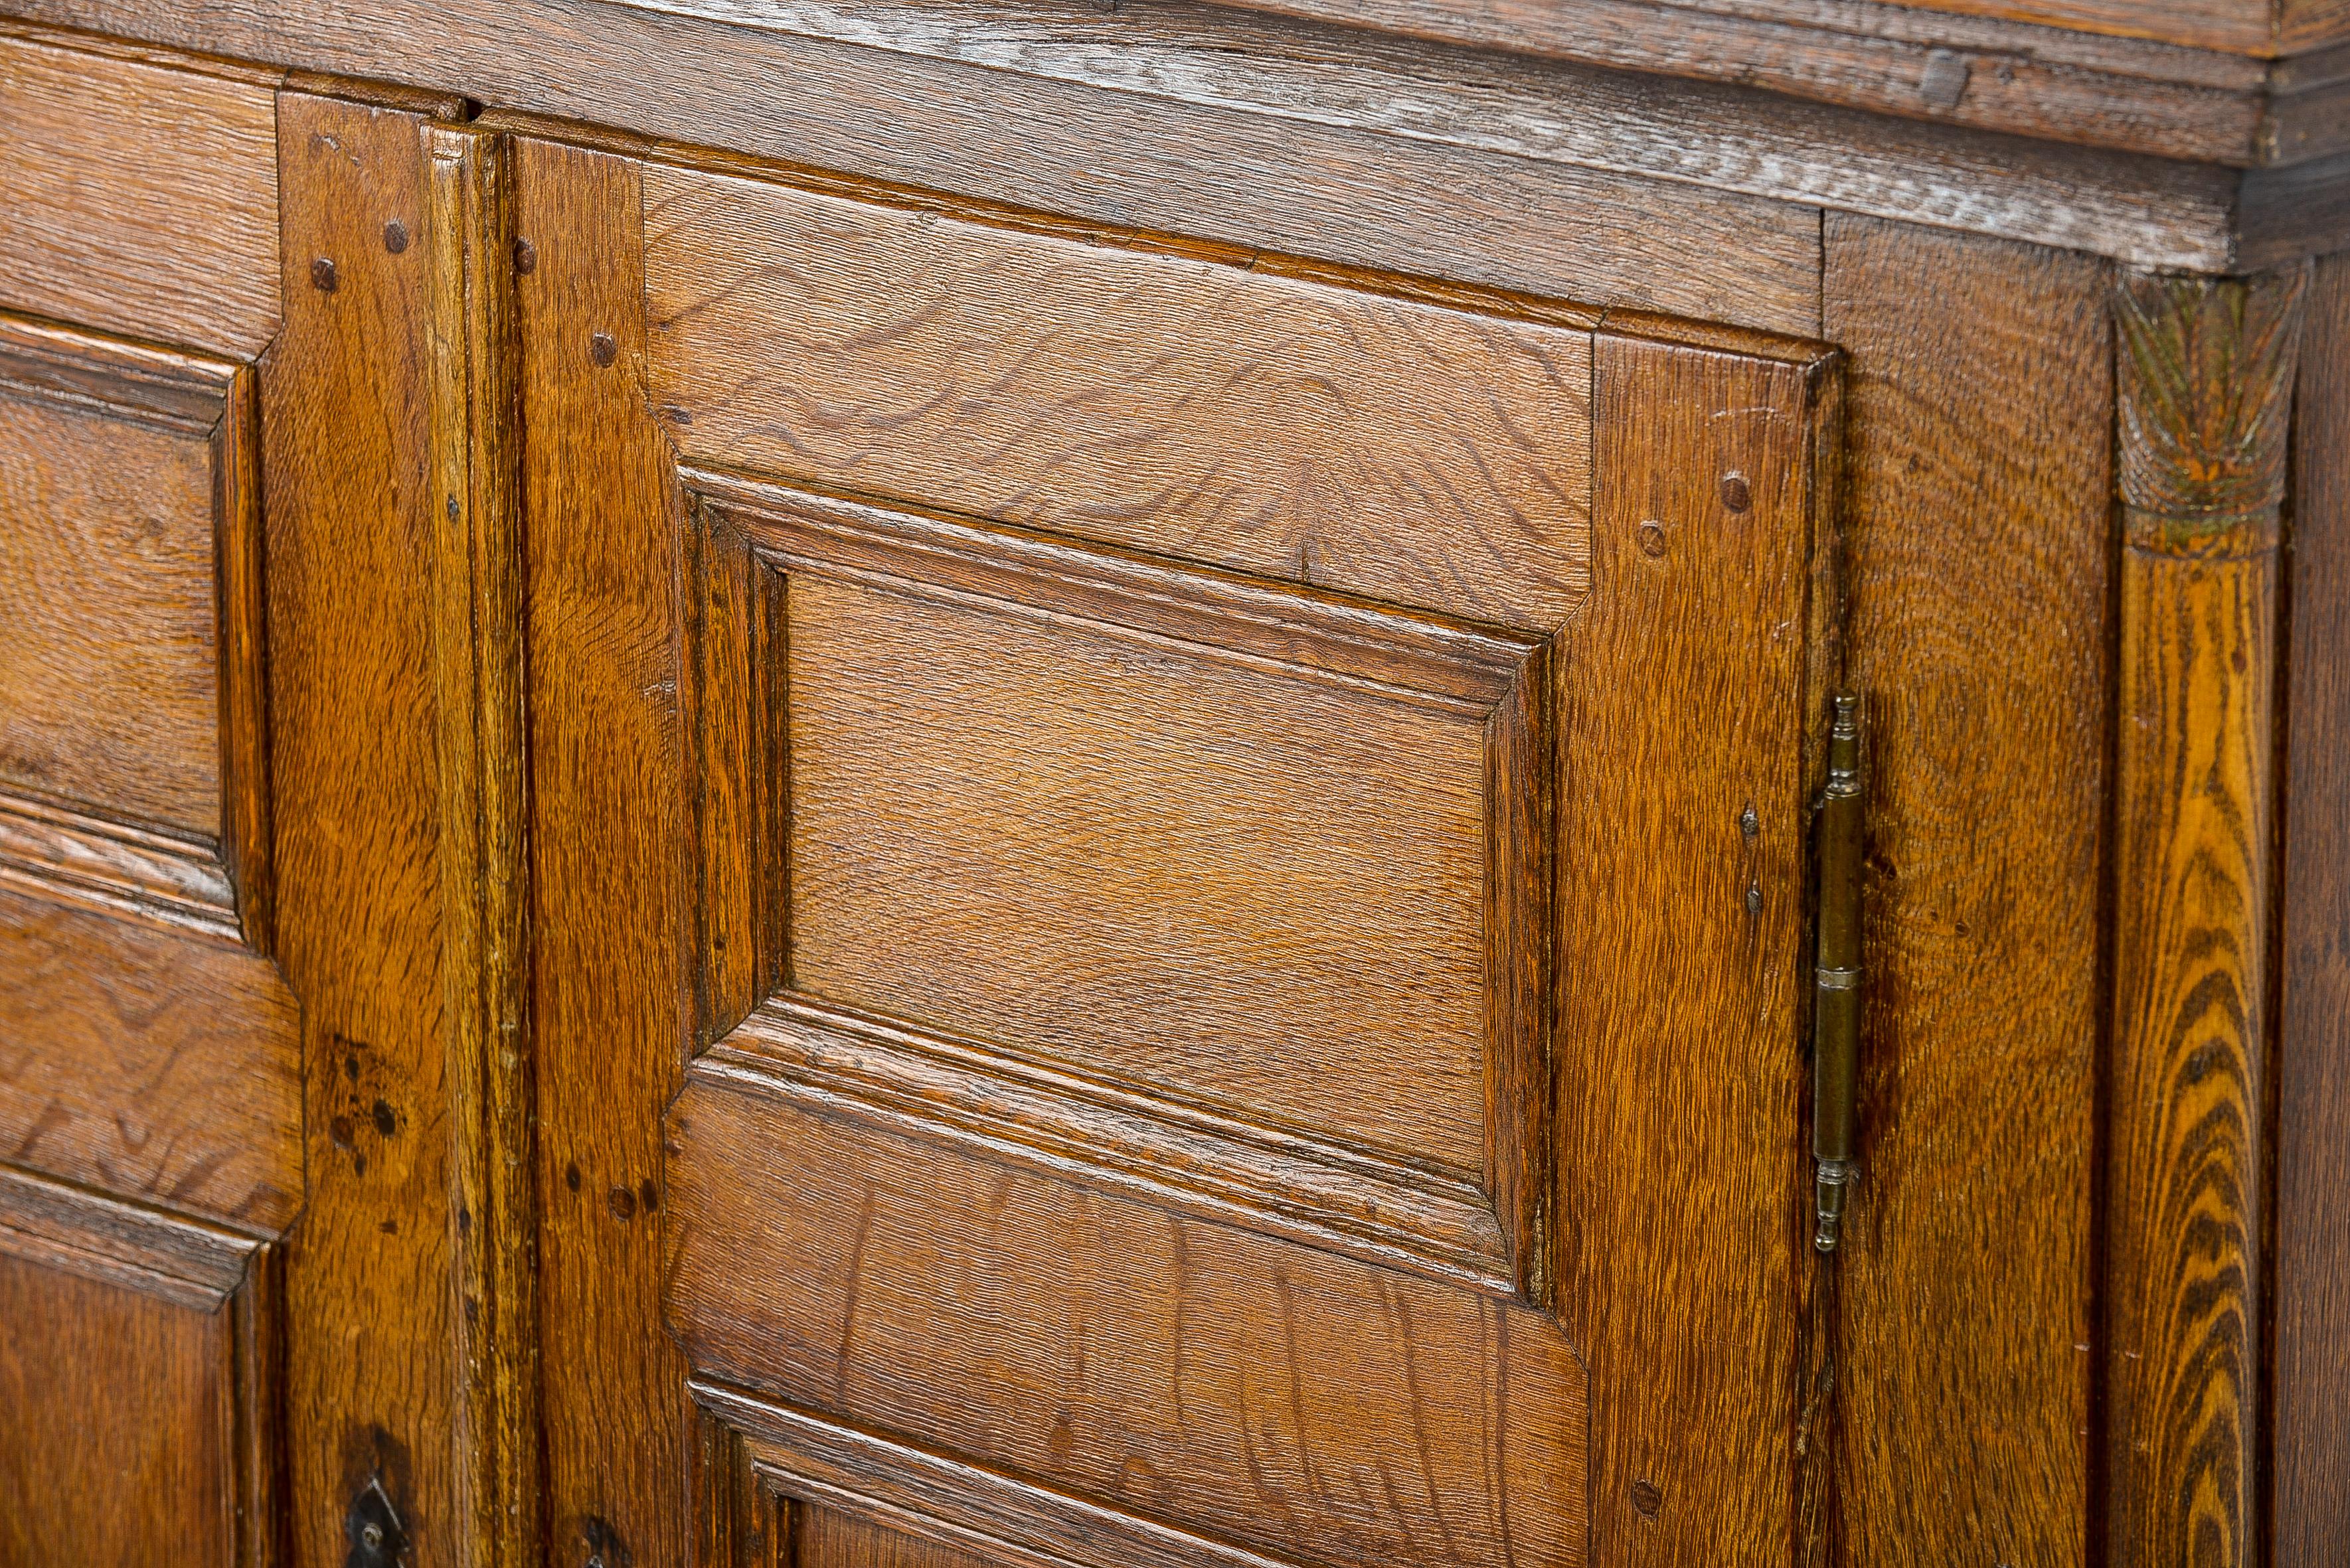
1441 660
479 690
424 103
113 869
110 47
2137 202
2140 94
813 1459
194 1263
2205 372
1175 1156
2144 210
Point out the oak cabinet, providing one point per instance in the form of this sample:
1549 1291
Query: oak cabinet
1072 818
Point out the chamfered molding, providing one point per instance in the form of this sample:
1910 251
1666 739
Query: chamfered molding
1481 1227
220 883
2206 372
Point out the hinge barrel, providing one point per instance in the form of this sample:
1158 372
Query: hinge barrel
1836 995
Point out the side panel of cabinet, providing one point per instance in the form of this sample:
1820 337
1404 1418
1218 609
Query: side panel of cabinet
2310 1493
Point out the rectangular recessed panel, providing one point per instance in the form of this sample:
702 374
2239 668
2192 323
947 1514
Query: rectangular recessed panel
1235 882
109 668
114 1444
1402 449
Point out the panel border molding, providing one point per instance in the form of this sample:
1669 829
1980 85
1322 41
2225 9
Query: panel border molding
1484 1228
755 1460
221 886
190 1264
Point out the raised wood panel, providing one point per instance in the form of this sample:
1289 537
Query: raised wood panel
136 1378
1181 403
122 471
1207 1382
1261 874
141 200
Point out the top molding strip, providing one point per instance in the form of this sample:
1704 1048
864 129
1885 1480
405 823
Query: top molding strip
1008 100
2244 83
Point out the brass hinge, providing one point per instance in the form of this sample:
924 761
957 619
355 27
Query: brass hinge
1836 998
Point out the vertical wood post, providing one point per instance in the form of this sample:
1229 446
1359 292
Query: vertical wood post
2206 369
477 658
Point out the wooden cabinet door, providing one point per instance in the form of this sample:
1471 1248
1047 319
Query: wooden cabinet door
150 1111
1168 890
238 1130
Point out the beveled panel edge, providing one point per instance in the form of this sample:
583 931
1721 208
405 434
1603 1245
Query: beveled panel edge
115 377
792 1454
192 1264
206 397
1433 659
114 869
1173 1154
1497 677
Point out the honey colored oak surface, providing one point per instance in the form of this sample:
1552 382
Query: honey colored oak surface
1178 1371
611 818
1981 504
109 675
370 1353
1418 455
147 1061
117 1396
175 243
1220 880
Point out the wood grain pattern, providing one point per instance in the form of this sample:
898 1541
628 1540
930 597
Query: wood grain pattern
1243 889
177 241
2309 1498
110 680
2178 93
1297 142
1270 425
825 1538
483 872
141 1416
609 829
2206 369
1981 498
1682 1161
345 411
1228 1385
1266 868
156 1062
808 1490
